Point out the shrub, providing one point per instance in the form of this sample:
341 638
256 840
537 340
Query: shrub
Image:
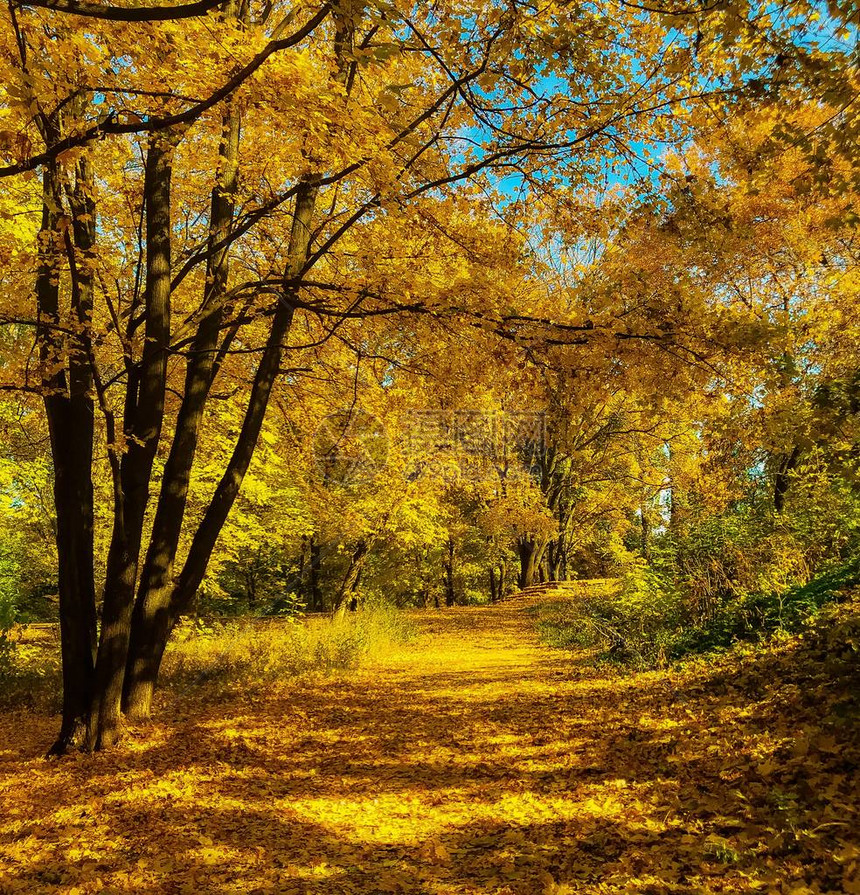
633 624
30 674
647 622
8 577
755 616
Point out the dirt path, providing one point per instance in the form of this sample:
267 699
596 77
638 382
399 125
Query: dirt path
476 761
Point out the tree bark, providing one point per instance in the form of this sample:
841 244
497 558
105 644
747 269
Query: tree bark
302 594
645 533
69 410
143 421
228 487
158 621
450 594
349 585
782 479
530 552
314 576
556 554
151 620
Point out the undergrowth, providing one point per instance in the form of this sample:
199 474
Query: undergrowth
30 674
645 623
247 655
259 653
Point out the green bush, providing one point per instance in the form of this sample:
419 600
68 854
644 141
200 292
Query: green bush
758 615
648 623
633 625
8 576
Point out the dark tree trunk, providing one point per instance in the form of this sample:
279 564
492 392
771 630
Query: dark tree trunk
349 585
495 595
252 575
645 533
450 594
156 623
551 560
151 621
531 554
153 640
782 479
143 420
302 591
69 411
526 552
556 557
315 567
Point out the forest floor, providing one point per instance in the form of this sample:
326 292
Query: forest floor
473 760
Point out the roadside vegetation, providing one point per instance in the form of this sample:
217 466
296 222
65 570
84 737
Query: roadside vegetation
213 658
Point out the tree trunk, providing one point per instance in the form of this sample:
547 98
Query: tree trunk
171 598
450 595
782 479
557 555
531 554
645 534
252 575
349 585
164 613
315 566
151 621
302 591
69 411
143 429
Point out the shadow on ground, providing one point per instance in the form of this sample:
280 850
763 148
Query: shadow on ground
483 763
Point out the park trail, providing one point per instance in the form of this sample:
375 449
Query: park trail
474 760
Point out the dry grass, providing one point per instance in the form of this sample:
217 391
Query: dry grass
253 654
209 658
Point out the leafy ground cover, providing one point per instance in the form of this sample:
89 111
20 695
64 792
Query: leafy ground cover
471 759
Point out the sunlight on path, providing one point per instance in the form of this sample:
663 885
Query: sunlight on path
473 761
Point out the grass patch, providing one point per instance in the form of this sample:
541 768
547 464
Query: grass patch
30 674
258 654
248 655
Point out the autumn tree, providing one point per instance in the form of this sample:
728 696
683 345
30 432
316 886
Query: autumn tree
226 187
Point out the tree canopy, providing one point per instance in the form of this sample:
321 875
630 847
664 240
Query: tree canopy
305 304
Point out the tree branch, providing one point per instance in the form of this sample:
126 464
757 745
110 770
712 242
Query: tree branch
124 13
